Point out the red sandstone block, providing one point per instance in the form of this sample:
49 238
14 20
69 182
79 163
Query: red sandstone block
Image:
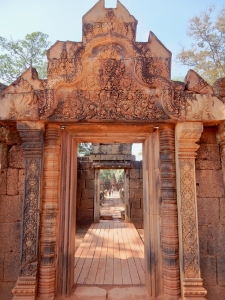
12 181
3 155
209 135
221 269
16 157
209 183
11 266
208 269
208 157
208 211
10 208
3 182
215 292
21 182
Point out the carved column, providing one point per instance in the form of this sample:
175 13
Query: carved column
47 272
221 141
170 245
32 136
187 134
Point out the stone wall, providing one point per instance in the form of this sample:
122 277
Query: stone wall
11 193
136 194
211 214
85 192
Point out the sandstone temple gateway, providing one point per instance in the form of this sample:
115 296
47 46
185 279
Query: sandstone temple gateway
108 89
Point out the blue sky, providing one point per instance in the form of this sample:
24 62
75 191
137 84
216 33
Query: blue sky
62 20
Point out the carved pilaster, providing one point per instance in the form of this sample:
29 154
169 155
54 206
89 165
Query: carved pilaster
221 141
47 272
187 134
32 136
170 244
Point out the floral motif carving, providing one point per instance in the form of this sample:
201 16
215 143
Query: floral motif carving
109 92
188 214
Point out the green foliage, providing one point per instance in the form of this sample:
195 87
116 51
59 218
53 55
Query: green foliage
110 173
18 56
206 55
84 149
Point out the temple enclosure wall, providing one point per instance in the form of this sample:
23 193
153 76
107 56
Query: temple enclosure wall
11 193
211 214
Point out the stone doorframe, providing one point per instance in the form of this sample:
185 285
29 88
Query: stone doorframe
168 271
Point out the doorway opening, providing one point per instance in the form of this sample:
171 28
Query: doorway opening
112 195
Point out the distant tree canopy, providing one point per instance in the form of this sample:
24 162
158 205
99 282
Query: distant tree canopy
18 56
207 53
84 149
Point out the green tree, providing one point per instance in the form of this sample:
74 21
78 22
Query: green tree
18 56
207 53
84 149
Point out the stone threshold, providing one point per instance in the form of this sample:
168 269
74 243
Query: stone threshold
108 292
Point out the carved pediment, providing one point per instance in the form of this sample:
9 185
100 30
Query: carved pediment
109 76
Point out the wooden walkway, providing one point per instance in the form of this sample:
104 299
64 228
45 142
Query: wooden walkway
110 253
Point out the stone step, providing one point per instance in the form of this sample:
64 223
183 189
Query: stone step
116 293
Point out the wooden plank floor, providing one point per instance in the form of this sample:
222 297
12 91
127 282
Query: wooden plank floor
110 253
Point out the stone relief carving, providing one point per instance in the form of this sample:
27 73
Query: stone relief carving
109 92
188 212
109 23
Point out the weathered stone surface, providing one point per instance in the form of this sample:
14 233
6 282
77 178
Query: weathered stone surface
221 239
90 184
90 293
85 165
87 203
134 184
138 194
10 237
12 181
219 88
129 293
134 173
222 211
221 269
6 290
11 266
215 292
212 239
16 157
87 193
3 182
11 136
2 256
21 182
203 240
136 203
208 211
209 135
208 269
3 155
209 183
87 174
195 83
208 157
10 208
136 213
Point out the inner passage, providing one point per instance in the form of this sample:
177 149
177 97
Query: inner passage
112 201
